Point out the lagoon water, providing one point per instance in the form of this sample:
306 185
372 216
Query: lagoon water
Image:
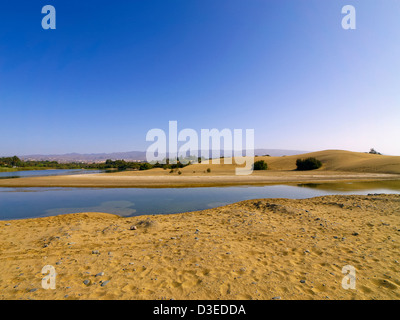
20 203
44 173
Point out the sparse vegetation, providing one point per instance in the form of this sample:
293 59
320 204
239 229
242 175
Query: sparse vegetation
308 164
208 170
260 165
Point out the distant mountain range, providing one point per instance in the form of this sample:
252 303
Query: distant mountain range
132 156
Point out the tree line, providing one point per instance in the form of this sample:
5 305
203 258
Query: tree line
15 162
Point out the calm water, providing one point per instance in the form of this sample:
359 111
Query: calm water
19 203
43 173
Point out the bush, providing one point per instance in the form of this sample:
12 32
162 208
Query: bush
260 165
308 164
373 151
208 170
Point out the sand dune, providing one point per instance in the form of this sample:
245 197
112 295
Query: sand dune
332 160
256 249
340 160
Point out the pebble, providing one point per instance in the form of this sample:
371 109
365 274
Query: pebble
8 224
100 274
133 228
105 283
95 252
86 282
302 281
276 298
32 290
355 234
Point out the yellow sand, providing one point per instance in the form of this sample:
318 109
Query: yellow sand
256 249
337 166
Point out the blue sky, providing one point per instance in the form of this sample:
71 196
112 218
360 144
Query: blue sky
111 71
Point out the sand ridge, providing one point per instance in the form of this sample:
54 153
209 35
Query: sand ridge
255 249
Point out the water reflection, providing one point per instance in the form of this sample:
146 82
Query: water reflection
393 185
121 208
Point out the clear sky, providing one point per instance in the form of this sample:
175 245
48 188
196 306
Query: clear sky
112 70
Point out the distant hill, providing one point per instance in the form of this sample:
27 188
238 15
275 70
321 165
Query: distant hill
131 156
88 157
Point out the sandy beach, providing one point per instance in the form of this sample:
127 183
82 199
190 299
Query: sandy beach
255 249
139 180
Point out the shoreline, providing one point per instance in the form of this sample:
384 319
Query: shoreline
118 180
253 249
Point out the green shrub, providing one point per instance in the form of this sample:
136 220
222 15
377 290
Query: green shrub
373 151
308 164
260 165
208 170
